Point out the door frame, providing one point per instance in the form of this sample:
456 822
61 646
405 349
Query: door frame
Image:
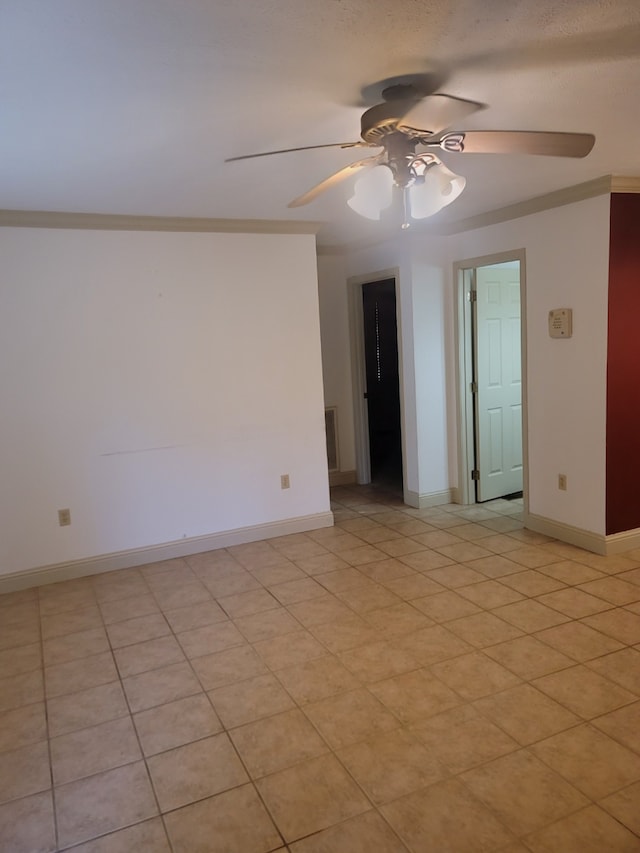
358 372
463 277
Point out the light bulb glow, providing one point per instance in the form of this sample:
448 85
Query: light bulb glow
373 192
439 188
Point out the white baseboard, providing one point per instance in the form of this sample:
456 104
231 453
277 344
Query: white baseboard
342 478
424 501
166 551
599 543
618 543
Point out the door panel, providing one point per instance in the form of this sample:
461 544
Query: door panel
494 464
383 386
499 383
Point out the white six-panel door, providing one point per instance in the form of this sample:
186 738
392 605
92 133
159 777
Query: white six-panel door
499 381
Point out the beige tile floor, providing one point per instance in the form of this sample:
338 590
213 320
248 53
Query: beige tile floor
435 680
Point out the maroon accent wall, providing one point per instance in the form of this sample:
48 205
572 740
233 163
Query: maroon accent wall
623 366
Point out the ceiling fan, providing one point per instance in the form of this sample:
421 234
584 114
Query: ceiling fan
409 127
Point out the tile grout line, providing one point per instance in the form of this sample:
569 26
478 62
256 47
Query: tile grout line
46 711
142 753
480 650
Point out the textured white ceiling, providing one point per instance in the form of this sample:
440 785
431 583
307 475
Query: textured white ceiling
131 106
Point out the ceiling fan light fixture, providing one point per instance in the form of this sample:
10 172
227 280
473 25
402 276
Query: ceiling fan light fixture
373 192
437 188
413 114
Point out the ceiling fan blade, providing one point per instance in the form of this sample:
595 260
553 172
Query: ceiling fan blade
437 112
334 179
358 144
518 142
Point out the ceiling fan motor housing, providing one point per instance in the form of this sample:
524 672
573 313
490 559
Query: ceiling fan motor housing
381 120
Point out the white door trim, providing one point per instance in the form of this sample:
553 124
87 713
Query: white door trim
463 272
358 372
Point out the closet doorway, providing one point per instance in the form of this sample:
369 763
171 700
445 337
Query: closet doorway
491 349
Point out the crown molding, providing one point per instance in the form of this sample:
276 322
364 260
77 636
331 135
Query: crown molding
558 198
620 184
123 222
377 240
331 249
538 204
336 249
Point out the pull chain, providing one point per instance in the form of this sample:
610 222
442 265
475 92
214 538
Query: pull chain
405 209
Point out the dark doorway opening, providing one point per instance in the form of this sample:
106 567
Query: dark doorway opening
383 384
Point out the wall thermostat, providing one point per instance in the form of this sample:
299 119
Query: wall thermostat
560 323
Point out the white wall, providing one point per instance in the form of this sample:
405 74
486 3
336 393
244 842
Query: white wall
567 260
567 255
158 385
432 317
336 356
370 265
424 308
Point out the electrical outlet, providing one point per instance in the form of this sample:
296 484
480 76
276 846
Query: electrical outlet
284 481
562 482
64 517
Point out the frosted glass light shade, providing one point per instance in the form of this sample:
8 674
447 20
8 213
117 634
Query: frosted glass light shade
441 186
373 192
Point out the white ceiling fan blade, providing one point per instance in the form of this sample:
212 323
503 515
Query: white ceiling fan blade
334 179
517 142
358 144
437 112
